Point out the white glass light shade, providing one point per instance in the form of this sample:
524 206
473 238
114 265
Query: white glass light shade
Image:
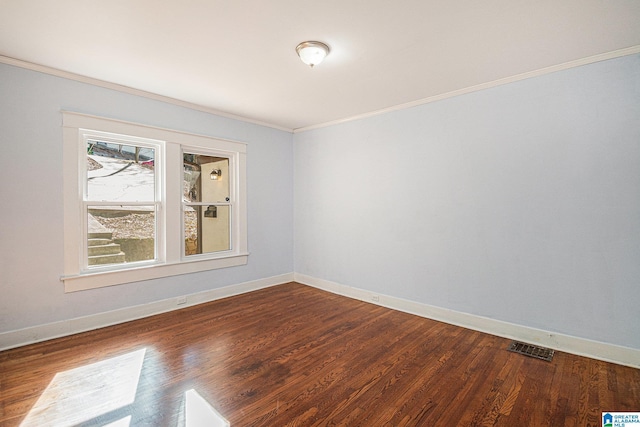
312 53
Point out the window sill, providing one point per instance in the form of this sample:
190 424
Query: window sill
101 279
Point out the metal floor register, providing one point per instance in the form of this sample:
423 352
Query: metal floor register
531 350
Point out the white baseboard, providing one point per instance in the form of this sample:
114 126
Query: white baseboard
566 343
49 331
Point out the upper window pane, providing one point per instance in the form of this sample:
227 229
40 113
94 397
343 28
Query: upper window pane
206 178
120 172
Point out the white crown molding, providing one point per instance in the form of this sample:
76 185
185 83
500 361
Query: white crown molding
536 73
63 328
132 91
97 82
566 343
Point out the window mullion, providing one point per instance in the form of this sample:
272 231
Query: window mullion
173 197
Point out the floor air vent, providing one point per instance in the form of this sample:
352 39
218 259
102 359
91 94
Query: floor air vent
531 350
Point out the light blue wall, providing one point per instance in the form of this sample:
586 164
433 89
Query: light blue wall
519 203
31 217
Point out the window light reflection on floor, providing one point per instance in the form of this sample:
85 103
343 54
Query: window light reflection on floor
124 422
84 393
200 414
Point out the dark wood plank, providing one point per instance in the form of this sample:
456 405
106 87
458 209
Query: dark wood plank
292 355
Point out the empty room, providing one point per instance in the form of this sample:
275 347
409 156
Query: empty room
295 213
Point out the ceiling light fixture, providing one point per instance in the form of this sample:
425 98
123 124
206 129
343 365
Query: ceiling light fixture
312 53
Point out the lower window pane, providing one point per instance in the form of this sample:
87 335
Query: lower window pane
207 229
118 234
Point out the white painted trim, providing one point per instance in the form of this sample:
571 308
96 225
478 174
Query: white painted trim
100 279
132 91
566 343
74 120
63 328
535 73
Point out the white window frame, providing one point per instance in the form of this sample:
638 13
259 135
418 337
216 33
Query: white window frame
87 135
170 259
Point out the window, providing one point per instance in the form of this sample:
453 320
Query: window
206 204
143 202
121 200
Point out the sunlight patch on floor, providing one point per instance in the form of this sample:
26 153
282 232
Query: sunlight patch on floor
89 391
200 414
124 422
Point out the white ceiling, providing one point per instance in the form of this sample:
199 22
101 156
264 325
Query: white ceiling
238 56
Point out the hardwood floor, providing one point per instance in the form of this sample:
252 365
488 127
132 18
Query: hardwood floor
292 355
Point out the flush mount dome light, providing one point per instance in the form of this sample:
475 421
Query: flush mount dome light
312 53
